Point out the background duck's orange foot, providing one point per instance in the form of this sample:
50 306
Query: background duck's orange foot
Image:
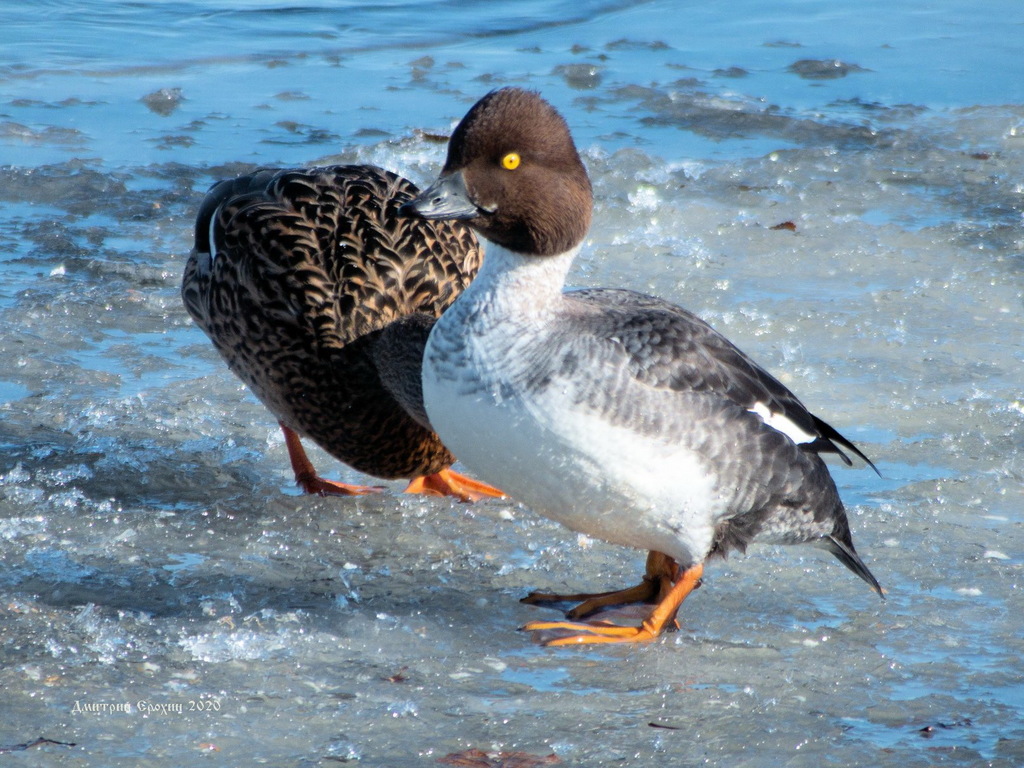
447 482
305 473
319 486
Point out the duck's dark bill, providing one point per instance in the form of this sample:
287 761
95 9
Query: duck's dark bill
446 198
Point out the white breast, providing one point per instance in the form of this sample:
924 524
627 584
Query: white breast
544 447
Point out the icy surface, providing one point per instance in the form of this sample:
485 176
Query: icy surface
845 202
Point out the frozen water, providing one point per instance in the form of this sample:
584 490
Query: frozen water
167 597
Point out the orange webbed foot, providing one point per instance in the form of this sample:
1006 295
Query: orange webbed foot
448 482
589 633
592 632
314 484
307 478
660 573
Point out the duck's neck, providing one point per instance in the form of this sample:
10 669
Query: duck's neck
530 283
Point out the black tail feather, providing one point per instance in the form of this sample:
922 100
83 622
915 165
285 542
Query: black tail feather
830 436
848 556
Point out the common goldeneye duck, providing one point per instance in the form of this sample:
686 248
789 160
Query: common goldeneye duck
617 414
319 296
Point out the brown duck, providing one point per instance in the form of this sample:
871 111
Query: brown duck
320 298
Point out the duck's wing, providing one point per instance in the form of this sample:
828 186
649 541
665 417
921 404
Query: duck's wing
325 247
671 348
257 273
397 354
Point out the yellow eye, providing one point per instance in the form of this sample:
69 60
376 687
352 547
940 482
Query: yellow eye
511 161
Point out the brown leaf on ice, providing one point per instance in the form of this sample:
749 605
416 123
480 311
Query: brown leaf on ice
788 225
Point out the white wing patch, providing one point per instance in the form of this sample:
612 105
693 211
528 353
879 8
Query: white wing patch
781 423
213 241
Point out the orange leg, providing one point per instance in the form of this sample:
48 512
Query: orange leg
660 572
447 482
306 476
602 632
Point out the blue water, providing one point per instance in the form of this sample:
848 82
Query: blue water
152 547
343 73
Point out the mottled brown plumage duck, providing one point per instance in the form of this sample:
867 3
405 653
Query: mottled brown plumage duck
320 298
